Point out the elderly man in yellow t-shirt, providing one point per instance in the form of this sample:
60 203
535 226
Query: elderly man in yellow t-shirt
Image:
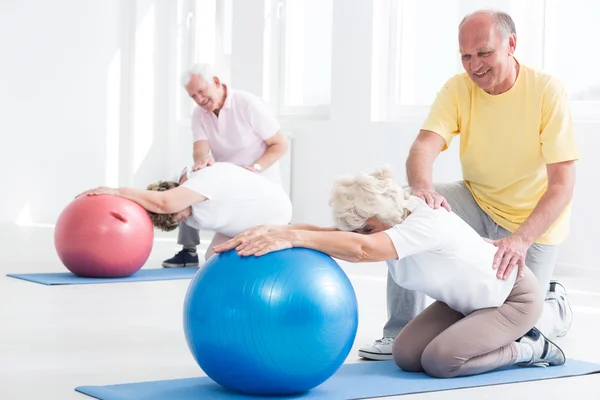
517 152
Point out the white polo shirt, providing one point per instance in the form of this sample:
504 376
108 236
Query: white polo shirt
238 134
441 256
237 200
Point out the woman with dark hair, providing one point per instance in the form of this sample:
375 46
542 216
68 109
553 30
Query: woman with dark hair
224 198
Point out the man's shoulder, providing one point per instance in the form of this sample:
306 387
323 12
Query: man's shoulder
243 97
460 79
245 104
459 84
540 79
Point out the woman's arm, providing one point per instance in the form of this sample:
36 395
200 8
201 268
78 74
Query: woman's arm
167 202
347 246
308 227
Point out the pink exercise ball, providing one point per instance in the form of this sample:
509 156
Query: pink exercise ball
103 236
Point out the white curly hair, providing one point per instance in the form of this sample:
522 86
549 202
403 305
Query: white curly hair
356 198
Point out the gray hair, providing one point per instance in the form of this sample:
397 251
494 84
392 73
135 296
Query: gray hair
502 21
205 71
356 198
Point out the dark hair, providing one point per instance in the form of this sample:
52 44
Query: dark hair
164 222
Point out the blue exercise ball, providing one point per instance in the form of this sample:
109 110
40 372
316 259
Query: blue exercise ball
278 324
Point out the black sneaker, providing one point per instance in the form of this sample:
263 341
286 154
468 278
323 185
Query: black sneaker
185 258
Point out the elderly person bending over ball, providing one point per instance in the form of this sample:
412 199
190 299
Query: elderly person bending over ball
225 198
478 322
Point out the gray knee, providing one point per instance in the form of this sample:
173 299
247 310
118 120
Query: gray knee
208 254
439 361
405 356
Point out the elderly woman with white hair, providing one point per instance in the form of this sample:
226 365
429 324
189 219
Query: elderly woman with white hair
477 322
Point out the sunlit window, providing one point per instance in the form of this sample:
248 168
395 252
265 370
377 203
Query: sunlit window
298 55
415 49
203 36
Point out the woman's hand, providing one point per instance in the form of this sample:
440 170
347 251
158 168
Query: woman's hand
259 241
99 191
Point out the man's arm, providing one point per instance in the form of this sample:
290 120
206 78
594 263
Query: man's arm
419 166
559 150
201 152
277 147
421 157
561 184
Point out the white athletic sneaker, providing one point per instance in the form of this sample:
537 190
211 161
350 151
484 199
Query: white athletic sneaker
545 352
556 291
380 350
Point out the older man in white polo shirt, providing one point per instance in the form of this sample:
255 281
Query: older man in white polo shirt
227 126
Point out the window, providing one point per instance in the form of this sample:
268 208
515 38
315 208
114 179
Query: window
416 50
298 56
203 36
571 36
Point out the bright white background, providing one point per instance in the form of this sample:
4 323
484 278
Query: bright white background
89 90
89 96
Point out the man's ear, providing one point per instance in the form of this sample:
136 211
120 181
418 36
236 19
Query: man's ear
217 81
512 44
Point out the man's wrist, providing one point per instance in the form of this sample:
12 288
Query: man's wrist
422 188
524 237
257 166
201 158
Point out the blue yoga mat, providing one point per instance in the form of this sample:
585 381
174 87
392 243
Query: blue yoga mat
67 278
362 380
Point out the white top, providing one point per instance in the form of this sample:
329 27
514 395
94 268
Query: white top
441 256
237 200
238 134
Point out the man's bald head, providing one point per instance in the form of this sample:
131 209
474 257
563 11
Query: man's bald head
487 41
502 21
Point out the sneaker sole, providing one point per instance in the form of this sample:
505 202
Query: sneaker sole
180 265
555 345
374 356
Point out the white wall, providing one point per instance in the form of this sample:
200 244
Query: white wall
83 100
53 99
63 118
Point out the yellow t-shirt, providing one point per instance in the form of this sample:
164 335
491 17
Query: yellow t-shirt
506 142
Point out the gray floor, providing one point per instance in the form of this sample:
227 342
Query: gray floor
55 338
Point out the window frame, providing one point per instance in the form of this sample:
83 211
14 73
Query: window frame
384 103
275 59
186 52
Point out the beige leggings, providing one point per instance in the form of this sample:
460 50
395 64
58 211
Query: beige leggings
444 343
